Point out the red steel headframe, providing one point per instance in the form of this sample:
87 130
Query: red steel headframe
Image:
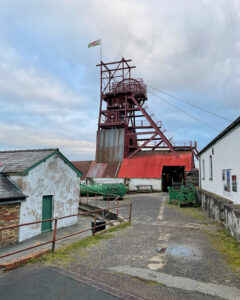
122 106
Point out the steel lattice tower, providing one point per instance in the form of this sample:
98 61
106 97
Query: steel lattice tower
125 124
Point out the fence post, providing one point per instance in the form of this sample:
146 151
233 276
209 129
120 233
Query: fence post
117 207
54 235
130 212
94 229
95 200
87 197
108 202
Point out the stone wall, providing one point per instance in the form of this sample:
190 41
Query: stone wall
222 210
9 215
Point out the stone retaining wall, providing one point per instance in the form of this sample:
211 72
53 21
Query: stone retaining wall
222 210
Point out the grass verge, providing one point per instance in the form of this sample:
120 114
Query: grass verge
195 212
63 256
223 242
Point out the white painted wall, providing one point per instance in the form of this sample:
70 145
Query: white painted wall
52 177
108 180
155 182
226 156
133 182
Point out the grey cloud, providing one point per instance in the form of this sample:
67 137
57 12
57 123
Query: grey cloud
190 48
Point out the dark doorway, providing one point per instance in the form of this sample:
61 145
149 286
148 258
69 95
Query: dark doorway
171 173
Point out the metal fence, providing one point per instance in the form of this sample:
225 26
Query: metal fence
55 225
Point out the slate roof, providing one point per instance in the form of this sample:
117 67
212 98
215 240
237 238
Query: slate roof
18 161
232 126
8 191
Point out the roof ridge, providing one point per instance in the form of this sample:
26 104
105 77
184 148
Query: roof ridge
30 150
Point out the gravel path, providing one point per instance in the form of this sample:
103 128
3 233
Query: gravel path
165 247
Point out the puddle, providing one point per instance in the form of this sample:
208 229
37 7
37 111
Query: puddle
183 251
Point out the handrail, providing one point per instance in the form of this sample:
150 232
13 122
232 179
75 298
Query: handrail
55 239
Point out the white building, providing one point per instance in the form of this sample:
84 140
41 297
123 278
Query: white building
50 182
220 164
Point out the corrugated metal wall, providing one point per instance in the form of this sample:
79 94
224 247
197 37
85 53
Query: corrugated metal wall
110 146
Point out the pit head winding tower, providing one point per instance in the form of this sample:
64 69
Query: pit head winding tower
126 125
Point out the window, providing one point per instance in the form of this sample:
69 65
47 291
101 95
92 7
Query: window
203 169
210 168
226 177
234 183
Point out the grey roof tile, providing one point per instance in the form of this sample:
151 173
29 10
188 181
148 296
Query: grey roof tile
20 160
8 191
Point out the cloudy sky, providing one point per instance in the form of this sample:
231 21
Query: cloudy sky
49 84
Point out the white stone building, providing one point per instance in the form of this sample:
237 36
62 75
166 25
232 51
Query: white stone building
50 182
220 164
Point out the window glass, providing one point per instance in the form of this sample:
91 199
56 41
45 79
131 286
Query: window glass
210 168
226 177
203 169
234 183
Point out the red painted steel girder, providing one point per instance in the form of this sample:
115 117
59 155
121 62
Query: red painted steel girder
154 126
122 105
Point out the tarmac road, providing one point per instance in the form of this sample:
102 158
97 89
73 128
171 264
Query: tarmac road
40 282
128 266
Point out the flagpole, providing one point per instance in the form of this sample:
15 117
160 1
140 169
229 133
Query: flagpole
100 50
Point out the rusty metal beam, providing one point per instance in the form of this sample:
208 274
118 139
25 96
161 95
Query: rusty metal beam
160 133
114 62
157 145
144 144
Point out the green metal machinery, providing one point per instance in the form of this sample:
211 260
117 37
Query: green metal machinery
185 195
174 191
109 191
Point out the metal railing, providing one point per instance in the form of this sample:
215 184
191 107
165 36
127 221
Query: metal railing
115 199
55 220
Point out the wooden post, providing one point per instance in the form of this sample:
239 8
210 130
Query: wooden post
117 206
95 219
130 212
54 235
87 197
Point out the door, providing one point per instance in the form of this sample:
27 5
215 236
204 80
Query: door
47 213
